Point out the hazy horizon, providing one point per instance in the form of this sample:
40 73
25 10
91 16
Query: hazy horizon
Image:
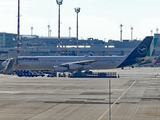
97 19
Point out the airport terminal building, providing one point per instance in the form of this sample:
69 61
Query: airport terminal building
48 46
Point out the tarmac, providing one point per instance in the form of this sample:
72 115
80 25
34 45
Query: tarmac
134 96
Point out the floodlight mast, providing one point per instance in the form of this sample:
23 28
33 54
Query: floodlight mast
121 32
18 30
77 10
131 33
31 31
48 30
59 2
157 30
151 32
69 32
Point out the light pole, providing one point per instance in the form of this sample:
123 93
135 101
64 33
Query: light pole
31 31
59 2
77 10
50 32
69 32
18 30
157 30
131 33
48 29
151 32
121 32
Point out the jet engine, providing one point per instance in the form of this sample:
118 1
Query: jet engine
70 67
75 66
60 69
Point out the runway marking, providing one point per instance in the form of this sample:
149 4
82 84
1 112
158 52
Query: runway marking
117 100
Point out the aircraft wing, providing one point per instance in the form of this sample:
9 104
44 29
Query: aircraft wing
82 62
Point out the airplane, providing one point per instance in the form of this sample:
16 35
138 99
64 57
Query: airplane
150 58
157 61
6 61
90 53
152 62
78 63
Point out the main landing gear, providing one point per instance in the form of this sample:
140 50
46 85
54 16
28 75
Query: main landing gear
62 74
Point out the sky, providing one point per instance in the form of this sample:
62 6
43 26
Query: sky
99 19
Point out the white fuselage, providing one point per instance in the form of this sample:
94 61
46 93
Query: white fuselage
49 62
74 63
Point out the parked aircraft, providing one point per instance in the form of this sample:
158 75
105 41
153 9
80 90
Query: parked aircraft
150 58
152 62
90 53
157 61
79 63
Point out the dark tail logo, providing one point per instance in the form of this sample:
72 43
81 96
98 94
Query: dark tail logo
142 49
139 52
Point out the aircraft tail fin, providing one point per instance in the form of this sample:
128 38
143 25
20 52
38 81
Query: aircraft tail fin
138 53
157 60
151 49
90 53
